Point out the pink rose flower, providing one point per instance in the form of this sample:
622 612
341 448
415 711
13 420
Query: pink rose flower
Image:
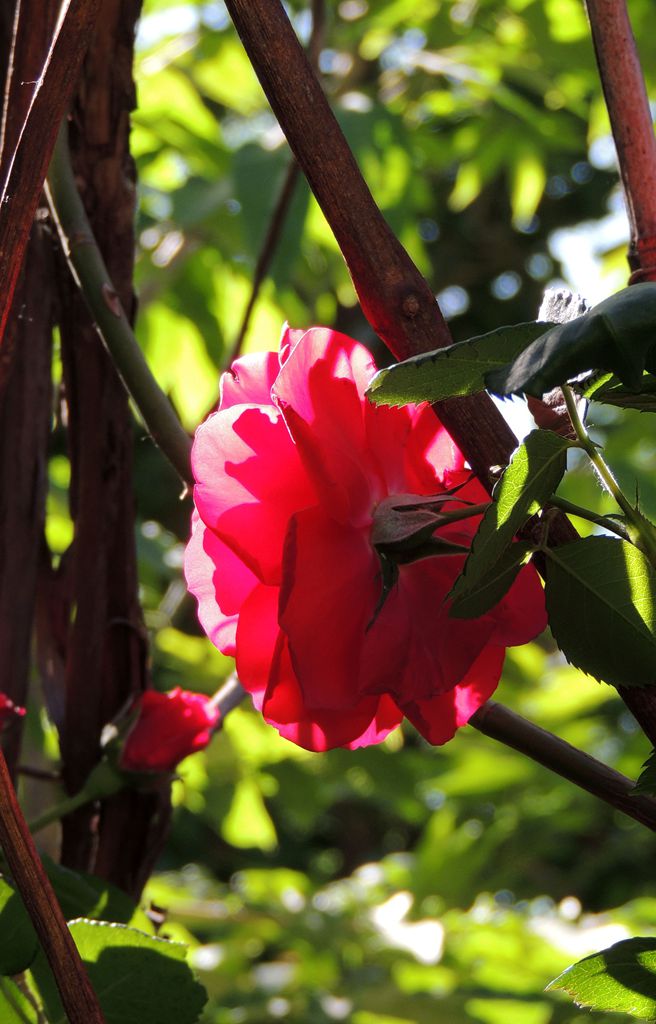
169 726
289 473
9 711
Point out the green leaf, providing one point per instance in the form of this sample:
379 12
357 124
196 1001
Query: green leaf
493 585
15 1008
621 978
18 941
533 475
84 895
455 370
138 978
609 391
618 335
601 602
647 780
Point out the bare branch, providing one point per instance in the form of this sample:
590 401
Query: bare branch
631 122
28 165
560 757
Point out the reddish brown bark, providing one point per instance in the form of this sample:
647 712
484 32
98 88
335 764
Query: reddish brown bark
631 122
26 169
633 131
395 298
106 648
25 410
25 394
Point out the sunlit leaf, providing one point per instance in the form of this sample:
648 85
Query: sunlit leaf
621 978
533 475
455 370
601 602
610 391
619 335
247 822
491 587
139 979
15 1008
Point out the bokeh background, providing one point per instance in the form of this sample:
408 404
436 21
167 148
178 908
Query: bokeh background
400 884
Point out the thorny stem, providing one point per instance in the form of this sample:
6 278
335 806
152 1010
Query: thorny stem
648 542
93 278
78 997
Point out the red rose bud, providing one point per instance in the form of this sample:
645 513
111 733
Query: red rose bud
169 727
8 711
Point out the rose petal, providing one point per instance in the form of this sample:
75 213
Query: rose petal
320 392
328 594
366 723
438 651
219 581
249 380
257 637
521 615
438 718
249 480
432 455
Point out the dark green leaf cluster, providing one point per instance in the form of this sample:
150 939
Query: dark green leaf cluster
617 337
139 978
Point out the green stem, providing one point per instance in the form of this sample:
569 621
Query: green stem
464 513
58 811
93 278
647 540
227 697
585 513
104 781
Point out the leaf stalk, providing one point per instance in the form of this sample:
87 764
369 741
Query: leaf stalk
645 534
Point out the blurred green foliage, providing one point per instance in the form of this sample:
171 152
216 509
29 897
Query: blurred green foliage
401 883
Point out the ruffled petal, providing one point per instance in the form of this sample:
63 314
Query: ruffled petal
438 718
440 651
249 481
327 598
249 380
320 391
257 638
219 581
432 457
368 722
